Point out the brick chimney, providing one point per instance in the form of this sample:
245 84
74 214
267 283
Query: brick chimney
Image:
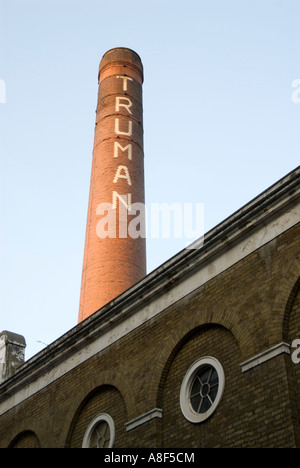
114 256
12 354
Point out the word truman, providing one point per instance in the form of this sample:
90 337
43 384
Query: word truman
122 171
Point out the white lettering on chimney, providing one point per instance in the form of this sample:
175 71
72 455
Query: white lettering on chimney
119 104
128 148
118 131
122 171
119 174
125 79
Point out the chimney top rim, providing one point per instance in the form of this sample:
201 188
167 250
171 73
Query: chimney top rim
119 61
114 49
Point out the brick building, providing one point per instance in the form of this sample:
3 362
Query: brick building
199 353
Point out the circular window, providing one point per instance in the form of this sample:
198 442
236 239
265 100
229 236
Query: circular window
100 433
202 389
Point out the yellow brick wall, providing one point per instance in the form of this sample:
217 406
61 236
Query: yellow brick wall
244 311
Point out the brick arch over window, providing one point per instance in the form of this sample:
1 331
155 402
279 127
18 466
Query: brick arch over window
104 399
187 318
211 340
26 439
292 330
176 343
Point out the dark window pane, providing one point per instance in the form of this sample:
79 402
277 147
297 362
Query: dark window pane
195 402
204 374
214 380
204 389
213 393
206 405
196 387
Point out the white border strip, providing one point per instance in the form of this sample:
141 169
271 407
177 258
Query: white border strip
156 413
281 348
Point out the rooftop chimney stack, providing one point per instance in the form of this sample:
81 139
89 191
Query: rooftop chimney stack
12 354
115 254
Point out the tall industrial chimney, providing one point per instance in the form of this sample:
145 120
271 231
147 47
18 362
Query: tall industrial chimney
115 254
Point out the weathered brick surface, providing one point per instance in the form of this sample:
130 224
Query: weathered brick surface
244 311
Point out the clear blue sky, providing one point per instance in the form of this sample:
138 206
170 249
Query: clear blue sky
220 127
